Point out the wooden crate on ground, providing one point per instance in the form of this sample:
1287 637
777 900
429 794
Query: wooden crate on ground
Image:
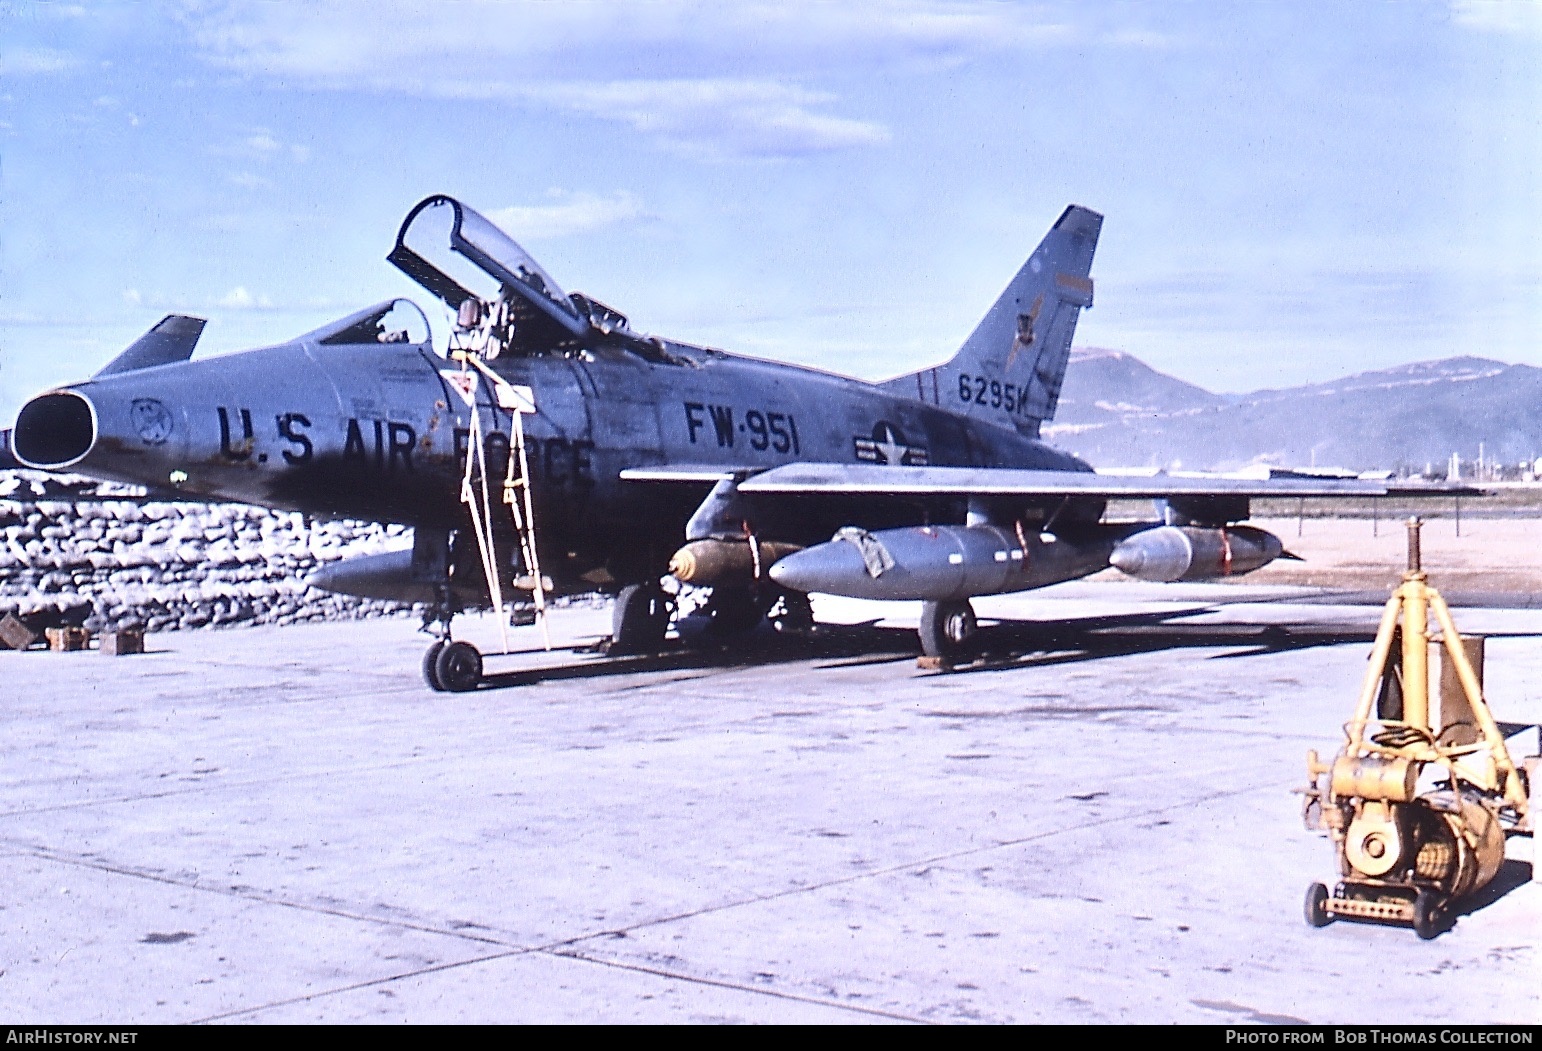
15 635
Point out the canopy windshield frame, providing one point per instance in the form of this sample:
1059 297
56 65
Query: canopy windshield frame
398 320
492 253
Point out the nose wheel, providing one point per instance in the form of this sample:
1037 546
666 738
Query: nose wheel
455 667
431 666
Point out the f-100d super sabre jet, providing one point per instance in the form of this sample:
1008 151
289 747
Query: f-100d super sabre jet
555 449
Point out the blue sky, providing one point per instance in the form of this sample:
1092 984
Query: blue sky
1293 191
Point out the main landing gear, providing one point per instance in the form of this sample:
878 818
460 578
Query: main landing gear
642 614
639 619
947 629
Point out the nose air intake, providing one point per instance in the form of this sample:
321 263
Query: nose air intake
54 431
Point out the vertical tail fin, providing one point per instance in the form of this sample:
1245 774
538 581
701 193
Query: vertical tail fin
1009 370
171 340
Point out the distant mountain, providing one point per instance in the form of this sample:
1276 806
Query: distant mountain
1106 386
1116 410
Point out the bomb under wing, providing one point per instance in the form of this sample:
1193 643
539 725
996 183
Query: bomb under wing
948 563
939 563
1026 529
1171 553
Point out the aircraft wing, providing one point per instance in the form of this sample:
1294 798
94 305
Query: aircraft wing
686 473
1001 481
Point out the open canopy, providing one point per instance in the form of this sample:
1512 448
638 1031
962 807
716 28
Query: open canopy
457 254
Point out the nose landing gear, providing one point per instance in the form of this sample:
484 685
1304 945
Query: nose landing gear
431 666
450 666
458 667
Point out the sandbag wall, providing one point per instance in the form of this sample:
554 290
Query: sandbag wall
111 564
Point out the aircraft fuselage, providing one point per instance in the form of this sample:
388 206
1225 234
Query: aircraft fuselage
374 431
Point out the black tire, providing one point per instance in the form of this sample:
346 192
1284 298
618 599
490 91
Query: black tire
735 612
458 667
1316 907
431 667
947 628
639 619
1428 917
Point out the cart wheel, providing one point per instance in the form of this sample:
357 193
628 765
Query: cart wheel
1428 916
1316 907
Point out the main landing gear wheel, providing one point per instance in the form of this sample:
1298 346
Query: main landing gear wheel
458 667
431 667
946 628
735 612
639 619
1428 916
1316 906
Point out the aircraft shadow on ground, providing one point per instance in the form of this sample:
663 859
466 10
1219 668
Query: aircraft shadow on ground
1014 644
1000 645
1004 645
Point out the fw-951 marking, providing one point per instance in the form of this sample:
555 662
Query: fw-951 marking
762 429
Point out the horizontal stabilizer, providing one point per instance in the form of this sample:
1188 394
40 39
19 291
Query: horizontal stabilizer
171 340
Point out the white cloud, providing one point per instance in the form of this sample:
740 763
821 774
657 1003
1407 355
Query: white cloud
239 298
719 118
1147 39
132 297
249 181
710 80
21 61
262 143
567 214
350 38
1499 16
